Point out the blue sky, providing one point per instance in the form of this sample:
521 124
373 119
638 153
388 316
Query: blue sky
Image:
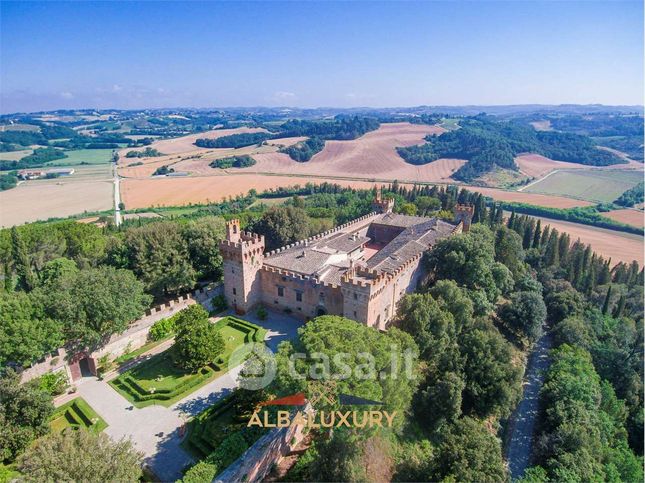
164 54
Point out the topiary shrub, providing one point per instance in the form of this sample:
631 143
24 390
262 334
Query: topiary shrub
200 473
262 313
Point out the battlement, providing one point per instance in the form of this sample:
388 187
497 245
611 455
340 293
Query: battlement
382 205
319 236
464 214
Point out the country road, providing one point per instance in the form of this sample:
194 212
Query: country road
117 197
522 424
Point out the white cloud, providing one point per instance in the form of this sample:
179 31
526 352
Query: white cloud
284 96
67 95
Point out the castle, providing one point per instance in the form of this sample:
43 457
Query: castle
359 270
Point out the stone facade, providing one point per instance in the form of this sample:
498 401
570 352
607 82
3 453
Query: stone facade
359 270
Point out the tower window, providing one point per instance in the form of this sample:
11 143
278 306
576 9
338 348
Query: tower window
355 297
298 296
280 291
234 291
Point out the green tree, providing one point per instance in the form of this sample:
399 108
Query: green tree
158 254
338 459
198 342
57 268
24 414
282 225
469 260
81 455
607 302
203 237
493 379
26 334
468 452
509 251
333 335
525 314
25 276
95 303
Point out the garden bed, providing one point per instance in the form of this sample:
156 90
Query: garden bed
210 428
160 381
75 414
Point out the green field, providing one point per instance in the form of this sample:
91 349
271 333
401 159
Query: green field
159 381
598 186
15 155
89 156
76 414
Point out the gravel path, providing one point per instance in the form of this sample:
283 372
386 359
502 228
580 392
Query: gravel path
522 425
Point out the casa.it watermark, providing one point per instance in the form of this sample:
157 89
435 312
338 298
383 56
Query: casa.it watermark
260 367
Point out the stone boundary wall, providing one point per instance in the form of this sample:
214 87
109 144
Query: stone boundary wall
257 461
135 336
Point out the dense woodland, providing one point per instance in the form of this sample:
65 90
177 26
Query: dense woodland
305 150
243 161
146 153
233 140
8 180
632 196
491 294
340 128
39 157
488 143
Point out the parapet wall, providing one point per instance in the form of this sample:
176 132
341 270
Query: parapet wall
324 234
257 461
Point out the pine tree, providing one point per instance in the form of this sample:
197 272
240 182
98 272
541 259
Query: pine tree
21 262
605 305
511 220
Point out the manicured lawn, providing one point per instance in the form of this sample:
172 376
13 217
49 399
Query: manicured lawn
160 381
76 414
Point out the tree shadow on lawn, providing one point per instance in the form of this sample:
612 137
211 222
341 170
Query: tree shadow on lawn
193 407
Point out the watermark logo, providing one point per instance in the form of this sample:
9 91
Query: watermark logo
322 393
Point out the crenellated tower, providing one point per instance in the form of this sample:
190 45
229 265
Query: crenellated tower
464 215
382 205
243 256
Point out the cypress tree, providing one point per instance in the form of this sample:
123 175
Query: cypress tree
528 235
545 235
605 305
21 262
511 220
620 308
551 253
537 234
8 277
